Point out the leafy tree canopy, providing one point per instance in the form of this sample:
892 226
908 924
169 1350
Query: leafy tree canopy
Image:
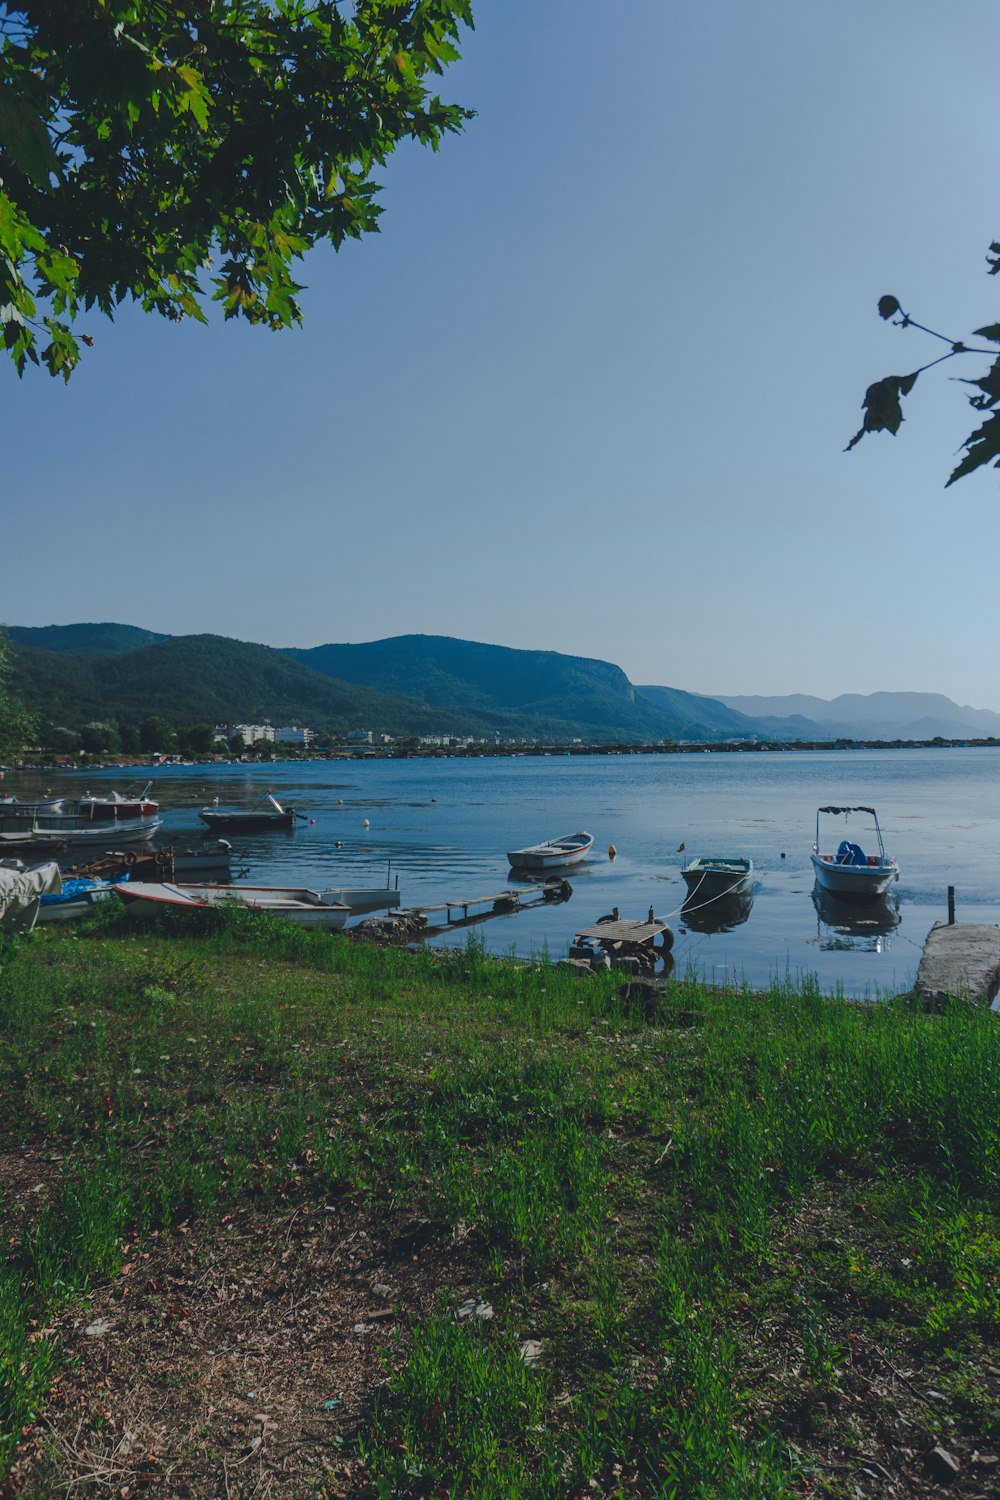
16 726
176 151
883 407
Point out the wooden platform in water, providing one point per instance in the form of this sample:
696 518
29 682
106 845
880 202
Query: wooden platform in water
499 902
624 931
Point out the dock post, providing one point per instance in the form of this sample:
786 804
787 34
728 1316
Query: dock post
951 906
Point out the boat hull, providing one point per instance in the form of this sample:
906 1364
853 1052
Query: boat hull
307 909
556 854
75 833
246 822
363 899
711 877
860 882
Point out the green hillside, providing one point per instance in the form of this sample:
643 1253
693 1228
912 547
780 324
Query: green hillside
413 684
104 636
517 692
698 714
204 679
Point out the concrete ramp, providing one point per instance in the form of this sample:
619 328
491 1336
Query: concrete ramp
963 960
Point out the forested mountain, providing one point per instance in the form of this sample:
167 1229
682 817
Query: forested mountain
93 637
74 675
407 685
518 692
700 717
204 679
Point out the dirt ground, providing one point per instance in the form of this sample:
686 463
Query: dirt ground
237 1360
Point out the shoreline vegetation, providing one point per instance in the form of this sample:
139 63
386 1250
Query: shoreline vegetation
289 1214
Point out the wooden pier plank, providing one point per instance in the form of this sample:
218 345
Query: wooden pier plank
623 931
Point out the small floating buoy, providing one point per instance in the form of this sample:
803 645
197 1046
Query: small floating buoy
366 824
339 844
340 801
612 851
782 853
312 820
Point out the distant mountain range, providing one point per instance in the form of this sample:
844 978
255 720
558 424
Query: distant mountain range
419 684
903 716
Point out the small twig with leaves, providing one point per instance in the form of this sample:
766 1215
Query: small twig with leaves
882 404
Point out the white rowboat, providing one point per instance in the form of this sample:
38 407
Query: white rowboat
303 907
555 854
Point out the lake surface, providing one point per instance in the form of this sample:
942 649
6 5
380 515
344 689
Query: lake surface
443 827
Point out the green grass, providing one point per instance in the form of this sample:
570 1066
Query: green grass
632 1183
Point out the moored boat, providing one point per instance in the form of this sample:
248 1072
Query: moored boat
21 890
303 907
365 898
80 824
554 854
710 876
76 899
850 871
70 831
48 805
250 819
118 807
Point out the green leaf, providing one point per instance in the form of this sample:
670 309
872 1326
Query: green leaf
991 332
983 448
883 412
24 137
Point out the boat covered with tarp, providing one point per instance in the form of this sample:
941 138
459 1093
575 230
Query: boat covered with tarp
21 890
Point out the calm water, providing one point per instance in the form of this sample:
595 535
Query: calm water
444 826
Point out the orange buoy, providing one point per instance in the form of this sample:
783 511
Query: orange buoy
612 851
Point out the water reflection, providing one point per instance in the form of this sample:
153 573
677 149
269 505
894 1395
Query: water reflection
719 915
863 927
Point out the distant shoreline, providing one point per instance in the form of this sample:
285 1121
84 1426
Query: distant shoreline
499 752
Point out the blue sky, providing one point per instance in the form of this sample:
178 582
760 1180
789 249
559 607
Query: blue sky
589 388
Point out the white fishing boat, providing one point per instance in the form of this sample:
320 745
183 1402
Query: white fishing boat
303 907
84 823
48 805
554 854
70 831
850 871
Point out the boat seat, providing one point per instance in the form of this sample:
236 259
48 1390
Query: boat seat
851 854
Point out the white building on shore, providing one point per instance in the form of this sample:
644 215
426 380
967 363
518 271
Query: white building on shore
249 733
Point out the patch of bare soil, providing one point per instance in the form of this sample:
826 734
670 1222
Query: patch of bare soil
894 1421
26 1181
236 1359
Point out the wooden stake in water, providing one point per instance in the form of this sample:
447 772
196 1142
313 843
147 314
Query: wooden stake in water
951 906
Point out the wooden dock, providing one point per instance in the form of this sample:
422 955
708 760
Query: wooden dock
620 939
499 903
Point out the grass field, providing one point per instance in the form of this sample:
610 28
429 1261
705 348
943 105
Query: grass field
288 1215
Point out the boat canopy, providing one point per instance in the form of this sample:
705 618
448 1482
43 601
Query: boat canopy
838 810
